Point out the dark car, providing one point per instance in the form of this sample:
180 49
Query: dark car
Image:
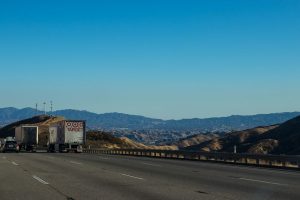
11 146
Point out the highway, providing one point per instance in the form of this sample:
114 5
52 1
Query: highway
36 176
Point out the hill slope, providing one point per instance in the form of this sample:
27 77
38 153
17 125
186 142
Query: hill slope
287 135
242 139
43 121
195 140
276 139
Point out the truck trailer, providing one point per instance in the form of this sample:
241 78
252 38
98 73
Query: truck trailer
66 136
27 137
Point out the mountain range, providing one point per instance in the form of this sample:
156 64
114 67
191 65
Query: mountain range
275 139
119 121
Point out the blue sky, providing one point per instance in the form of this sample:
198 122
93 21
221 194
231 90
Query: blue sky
162 59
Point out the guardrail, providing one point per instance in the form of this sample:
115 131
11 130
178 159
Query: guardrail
275 161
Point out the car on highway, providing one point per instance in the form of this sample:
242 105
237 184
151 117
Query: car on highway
11 146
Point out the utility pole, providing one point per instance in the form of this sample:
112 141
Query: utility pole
44 108
51 108
36 109
235 149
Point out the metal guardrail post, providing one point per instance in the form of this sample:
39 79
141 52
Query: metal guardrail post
270 163
284 163
257 161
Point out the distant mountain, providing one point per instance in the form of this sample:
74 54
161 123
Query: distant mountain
119 121
101 121
276 139
111 120
235 122
9 115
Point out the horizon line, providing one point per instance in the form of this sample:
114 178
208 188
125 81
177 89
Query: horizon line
141 115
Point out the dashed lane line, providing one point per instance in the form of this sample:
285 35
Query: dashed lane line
40 180
103 158
261 181
132 177
76 163
150 164
14 163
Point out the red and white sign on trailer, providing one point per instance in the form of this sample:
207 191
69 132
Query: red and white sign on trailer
74 126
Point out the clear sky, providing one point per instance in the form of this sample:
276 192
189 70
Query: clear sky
158 58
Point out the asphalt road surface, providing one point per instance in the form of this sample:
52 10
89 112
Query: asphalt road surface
43 176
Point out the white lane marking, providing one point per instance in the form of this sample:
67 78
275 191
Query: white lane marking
41 151
50 157
40 180
281 172
14 163
4 157
76 163
150 164
260 181
132 176
274 170
104 158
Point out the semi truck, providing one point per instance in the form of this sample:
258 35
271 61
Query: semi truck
27 137
67 136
